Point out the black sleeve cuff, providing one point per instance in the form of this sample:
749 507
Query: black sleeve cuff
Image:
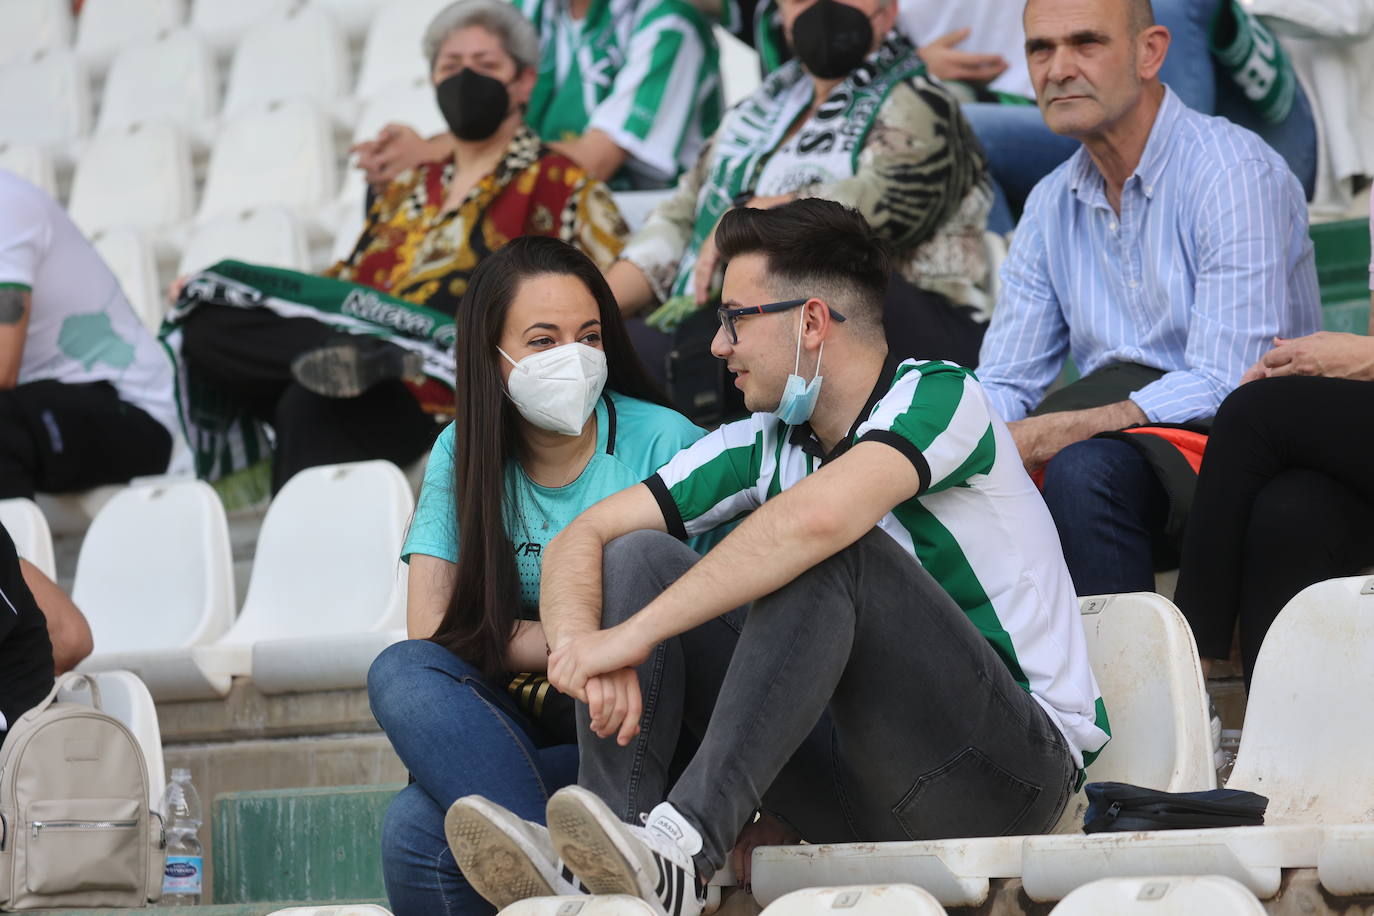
903 445
672 518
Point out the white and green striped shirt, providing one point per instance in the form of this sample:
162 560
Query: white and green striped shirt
646 72
978 525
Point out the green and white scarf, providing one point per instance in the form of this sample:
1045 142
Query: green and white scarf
754 130
225 440
1246 49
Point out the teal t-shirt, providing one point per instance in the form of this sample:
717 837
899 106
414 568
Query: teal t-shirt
634 439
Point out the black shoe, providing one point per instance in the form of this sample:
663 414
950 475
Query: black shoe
350 365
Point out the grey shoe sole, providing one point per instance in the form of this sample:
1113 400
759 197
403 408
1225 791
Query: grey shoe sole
348 368
495 862
588 838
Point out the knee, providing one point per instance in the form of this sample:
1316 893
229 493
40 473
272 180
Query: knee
636 565
1252 403
1085 469
396 678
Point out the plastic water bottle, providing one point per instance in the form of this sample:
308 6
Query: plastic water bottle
181 885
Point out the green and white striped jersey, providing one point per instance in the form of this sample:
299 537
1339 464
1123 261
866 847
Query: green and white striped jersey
647 72
978 525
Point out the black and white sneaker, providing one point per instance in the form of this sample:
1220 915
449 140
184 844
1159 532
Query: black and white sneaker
351 364
653 863
504 857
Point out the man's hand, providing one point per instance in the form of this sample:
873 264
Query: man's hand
583 657
396 149
1038 439
766 831
947 62
1324 353
615 703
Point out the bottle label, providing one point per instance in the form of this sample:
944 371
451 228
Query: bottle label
182 875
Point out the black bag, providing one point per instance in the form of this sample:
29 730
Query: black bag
545 705
1116 806
699 385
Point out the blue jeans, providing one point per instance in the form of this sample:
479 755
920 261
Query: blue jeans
1022 150
458 734
1110 509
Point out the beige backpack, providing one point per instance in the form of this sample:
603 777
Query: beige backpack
75 825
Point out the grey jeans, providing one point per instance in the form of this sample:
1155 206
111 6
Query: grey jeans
856 703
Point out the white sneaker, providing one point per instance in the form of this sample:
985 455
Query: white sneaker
505 858
653 863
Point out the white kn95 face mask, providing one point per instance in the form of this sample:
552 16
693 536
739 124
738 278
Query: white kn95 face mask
557 389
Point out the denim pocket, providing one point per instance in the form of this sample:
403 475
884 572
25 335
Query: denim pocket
968 796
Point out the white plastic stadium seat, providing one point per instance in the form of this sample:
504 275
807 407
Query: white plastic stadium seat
345 909
125 697
1143 655
860 900
270 236
131 259
32 27
105 26
327 592
139 178
32 163
30 532
303 56
392 52
740 70
1214 895
353 16
1313 670
222 23
284 156
585 905
45 101
170 79
154 578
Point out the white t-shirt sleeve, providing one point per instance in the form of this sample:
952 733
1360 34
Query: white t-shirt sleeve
24 234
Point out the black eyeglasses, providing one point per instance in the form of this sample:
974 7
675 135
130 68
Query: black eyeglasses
728 316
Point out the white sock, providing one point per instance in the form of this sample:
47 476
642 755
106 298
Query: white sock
667 820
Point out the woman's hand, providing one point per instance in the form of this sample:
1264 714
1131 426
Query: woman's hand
1325 353
396 149
708 257
704 273
947 62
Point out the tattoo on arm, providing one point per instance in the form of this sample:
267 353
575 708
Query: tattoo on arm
12 305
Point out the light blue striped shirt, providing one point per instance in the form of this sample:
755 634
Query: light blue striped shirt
1208 261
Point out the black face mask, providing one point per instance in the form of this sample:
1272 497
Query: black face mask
473 104
831 38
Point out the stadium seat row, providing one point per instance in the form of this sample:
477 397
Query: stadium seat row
155 580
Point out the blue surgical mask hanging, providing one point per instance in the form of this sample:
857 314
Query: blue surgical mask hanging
798 396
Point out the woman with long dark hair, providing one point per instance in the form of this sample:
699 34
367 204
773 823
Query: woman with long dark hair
554 412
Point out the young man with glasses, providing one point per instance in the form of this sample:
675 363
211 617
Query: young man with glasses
888 647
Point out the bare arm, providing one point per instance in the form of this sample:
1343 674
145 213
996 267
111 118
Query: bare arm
14 325
788 535
1039 439
631 287
429 588
68 630
595 151
570 583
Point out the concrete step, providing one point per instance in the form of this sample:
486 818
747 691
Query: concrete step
322 845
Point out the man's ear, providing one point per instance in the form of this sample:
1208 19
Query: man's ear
1152 47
